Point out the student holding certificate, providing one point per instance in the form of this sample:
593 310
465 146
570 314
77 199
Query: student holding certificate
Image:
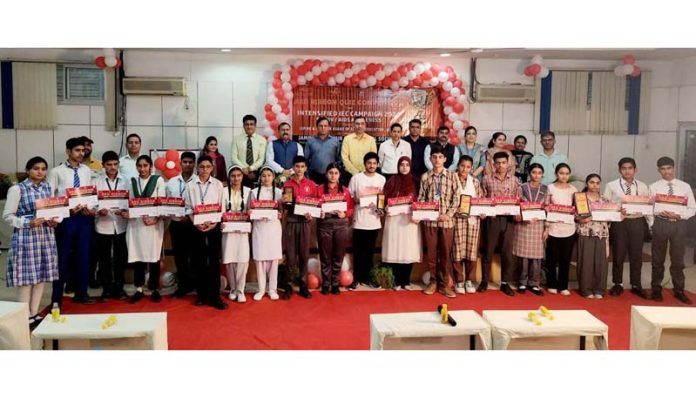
266 248
401 240
333 231
206 243
560 237
528 244
33 257
235 245
670 229
144 235
467 229
592 246
296 235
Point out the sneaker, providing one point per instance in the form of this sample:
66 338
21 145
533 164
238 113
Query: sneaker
409 287
590 296
598 296
233 295
397 288
448 292
430 289
565 292
552 291
459 288
522 289
535 290
469 287
258 296
241 298
273 295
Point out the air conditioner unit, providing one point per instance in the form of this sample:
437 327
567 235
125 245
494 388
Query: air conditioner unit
154 86
504 93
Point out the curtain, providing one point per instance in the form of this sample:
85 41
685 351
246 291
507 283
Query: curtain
569 102
608 114
34 95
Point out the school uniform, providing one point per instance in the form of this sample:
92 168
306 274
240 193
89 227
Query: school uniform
332 235
235 245
296 236
560 242
467 231
266 248
592 257
110 231
528 243
181 233
366 226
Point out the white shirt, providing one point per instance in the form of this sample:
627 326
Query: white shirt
111 223
679 188
270 157
564 197
616 190
209 192
127 167
61 177
364 217
176 187
389 155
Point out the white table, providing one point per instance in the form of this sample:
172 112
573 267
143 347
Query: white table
14 326
513 329
137 331
655 328
423 330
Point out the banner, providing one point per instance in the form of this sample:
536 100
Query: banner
381 108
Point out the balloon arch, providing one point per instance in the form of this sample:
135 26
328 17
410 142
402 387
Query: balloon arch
395 77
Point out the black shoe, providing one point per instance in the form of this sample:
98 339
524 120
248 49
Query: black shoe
304 292
179 293
34 321
638 291
200 302
522 289
136 297
482 287
287 293
353 286
218 304
324 290
374 285
335 290
505 288
83 300
616 290
155 297
119 295
682 297
104 297
536 290
656 295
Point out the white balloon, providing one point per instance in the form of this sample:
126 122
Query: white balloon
289 95
462 99
447 86
434 81
456 92
403 82
170 165
419 68
286 68
453 117
109 52
544 72
285 77
301 80
442 76
267 131
627 69
458 125
380 74
276 108
362 84
313 266
618 71
272 99
537 59
348 72
447 109
110 61
427 65
339 78
297 63
388 69
345 266
410 75
371 81
426 277
394 86
287 87
316 70
282 117
331 81
324 66
308 76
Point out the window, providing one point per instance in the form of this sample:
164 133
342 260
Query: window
80 84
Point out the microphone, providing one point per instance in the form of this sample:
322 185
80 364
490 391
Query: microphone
450 320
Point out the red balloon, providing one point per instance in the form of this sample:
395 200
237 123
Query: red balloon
458 107
387 81
274 124
372 69
173 155
316 62
270 116
332 71
277 83
283 103
279 93
170 173
345 278
286 110
454 140
316 82
435 69
100 62
302 69
161 164
629 59
449 69
402 70
118 63
267 107
348 64
448 123
293 73
444 94
417 82
347 83
466 123
451 77
340 67
457 83
354 79
409 66
276 75
528 71
450 101
535 69
636 71
312 281
323 77
426 75
363 74
395 76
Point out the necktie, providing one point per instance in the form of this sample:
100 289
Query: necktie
670 188
249 152
628 189
76 177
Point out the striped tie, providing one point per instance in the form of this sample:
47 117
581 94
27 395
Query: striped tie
249 152
670 188
628 189
76 177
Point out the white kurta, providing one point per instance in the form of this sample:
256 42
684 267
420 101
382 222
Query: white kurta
235 245
401 240
145 241
266 236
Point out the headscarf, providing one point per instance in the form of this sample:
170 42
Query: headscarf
229 187
400 184
258 182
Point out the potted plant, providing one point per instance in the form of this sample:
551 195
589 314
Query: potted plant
382 276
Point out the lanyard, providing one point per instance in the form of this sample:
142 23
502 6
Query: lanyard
182 188
438 185
529 193
203 194
115 185
629 185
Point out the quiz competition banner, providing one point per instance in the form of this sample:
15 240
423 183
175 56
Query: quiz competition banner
381 108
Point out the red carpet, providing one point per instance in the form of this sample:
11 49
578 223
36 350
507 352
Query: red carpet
342 322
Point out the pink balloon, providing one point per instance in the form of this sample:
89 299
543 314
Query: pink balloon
345 278
636 71
534 69
629 59
312 281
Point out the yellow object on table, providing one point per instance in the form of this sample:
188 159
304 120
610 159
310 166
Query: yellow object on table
110 321
443 313
545 312
533 317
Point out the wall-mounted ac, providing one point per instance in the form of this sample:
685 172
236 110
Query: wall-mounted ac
154 86
504 93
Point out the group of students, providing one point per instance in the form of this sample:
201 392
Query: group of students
450 245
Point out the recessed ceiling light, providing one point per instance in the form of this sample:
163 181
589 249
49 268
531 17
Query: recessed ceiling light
445 54
226 50
476 50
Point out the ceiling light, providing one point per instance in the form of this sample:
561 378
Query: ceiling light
226 50
445 54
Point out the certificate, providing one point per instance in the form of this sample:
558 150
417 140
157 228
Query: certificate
207 213
464 205
637 205
561 214
507 205
142 207
482 207
532 211
673 203
425 211
53 208
368 196
582 204
399 205
308 205
86 196
606 211
333 203
263 209
171 207
113 200
288 195
236 221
